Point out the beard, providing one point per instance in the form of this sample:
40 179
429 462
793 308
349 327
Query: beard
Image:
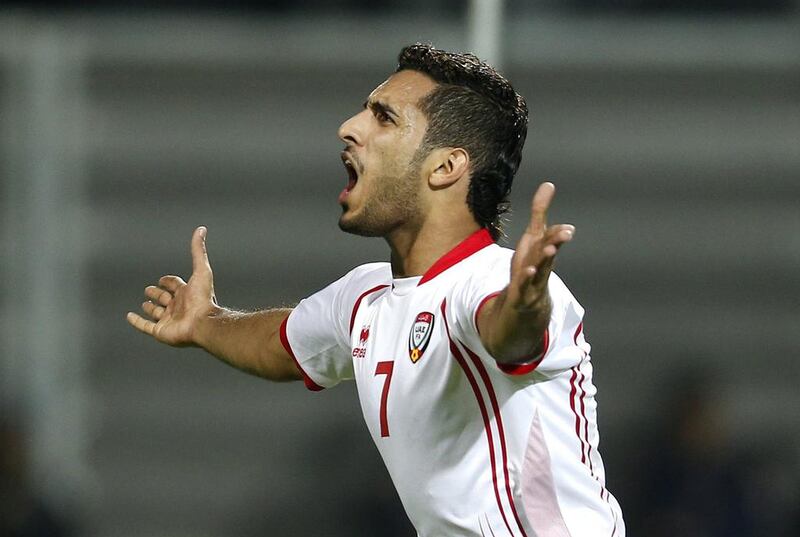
393 202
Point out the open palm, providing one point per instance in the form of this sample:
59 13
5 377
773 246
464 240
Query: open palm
535 253
175 307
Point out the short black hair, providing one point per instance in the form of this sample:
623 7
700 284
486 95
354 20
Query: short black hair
477 109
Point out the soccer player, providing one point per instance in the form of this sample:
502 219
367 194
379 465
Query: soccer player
471 365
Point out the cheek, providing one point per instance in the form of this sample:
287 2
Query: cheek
404 148
388 158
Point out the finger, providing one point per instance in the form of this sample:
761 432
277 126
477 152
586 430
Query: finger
153 310
526 274
555 228
539 206
158 295
534 274
524 252
533 283
200 261
530 272
171 283
547 257
558 235
141 324
531 252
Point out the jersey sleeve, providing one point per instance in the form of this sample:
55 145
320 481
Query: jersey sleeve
317 332
563 346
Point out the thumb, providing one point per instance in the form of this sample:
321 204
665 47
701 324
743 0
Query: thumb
200 261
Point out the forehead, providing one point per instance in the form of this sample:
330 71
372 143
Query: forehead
403 88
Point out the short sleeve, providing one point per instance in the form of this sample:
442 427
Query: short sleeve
566 346
317 332
561 348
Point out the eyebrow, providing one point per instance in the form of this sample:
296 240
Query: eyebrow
378 106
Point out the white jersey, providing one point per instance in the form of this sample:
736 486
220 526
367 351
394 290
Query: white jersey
474 449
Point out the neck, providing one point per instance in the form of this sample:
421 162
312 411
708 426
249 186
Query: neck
413 251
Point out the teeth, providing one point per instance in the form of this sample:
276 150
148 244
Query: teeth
351 171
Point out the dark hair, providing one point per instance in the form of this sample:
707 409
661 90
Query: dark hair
475 108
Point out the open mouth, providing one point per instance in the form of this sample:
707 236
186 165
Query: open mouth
350 164
352 173
352 176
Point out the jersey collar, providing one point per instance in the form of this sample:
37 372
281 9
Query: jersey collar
475 242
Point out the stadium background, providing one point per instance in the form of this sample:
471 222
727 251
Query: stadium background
671 129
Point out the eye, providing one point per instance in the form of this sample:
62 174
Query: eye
382 116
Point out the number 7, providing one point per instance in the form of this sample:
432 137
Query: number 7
385 368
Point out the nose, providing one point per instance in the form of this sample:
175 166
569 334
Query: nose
351 131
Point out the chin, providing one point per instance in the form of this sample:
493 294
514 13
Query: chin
351 224
353 228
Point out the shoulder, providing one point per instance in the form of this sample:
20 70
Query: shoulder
377 268
491 258
362 280
478 278
359 279
493 263
337 300
485 271
367 274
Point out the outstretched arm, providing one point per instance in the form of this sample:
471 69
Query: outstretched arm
182 314
512 325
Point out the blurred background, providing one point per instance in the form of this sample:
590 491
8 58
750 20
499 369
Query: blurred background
670 127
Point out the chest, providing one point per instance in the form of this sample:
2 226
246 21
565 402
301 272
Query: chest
402 363
410 331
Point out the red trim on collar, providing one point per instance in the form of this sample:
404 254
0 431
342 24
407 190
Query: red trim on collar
475 242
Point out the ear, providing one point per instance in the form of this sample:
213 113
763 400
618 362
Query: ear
451 165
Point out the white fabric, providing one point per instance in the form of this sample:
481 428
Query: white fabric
472 450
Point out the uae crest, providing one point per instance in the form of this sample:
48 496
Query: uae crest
420 335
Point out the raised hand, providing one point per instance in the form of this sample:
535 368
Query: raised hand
175 307
513 325
535 253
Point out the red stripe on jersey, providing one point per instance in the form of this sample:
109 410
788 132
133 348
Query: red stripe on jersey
585 424
484 413
482 303
577 333
310 384
528 364
358 303
604 494
475 242
572 393
585 445
585 438
497 416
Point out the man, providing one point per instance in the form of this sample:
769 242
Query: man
472 369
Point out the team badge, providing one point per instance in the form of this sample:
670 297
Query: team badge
420 335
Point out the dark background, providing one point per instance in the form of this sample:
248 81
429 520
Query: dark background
671 129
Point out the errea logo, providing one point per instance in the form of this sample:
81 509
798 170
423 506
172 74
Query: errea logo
361 350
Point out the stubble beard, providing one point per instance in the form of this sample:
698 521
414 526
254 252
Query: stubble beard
394 202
